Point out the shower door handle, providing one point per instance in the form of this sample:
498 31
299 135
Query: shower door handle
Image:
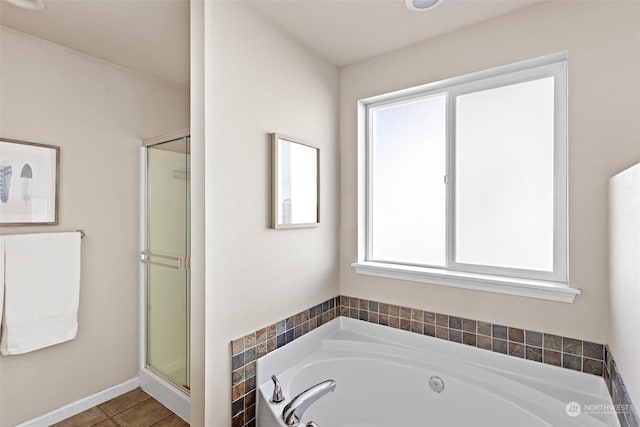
182 263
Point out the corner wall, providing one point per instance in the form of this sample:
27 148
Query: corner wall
259 81
603 43
625 277
98 114
197 332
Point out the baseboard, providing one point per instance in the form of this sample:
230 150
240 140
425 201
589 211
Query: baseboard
82 404
177 401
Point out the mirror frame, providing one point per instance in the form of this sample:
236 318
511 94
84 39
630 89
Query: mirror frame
275 174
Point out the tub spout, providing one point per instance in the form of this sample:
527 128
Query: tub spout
294 410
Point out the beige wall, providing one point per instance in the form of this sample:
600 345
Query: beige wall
98 115
261 82
602 40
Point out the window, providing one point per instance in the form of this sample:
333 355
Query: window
463 182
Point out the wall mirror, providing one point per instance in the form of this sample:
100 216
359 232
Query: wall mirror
295 183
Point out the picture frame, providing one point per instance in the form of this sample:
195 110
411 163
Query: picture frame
29 183
295 183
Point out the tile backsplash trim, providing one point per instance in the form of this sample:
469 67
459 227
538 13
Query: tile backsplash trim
627 414
565 352
537 346
246 350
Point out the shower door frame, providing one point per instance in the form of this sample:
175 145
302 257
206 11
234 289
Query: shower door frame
170 395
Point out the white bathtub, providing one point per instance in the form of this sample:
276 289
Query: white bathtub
382 379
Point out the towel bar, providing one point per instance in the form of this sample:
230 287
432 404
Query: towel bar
183 262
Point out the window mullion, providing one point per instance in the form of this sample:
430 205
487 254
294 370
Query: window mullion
450 181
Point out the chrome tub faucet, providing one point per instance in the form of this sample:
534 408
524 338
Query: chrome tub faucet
293 411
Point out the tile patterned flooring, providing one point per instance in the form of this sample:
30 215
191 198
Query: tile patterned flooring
133 409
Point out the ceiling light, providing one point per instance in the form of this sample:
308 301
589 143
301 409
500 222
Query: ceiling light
27 4
422 5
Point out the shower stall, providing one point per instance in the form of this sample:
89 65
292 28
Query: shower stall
165 270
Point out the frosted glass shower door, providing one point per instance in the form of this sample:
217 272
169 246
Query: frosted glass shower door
167 261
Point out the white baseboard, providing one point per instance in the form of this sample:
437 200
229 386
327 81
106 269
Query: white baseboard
177 401
82 404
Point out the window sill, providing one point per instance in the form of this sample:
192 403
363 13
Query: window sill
540 289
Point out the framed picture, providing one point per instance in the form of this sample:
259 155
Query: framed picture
28 183
295 183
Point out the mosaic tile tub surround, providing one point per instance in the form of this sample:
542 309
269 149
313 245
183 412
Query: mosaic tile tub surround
555 350
246 350
627 414
569 353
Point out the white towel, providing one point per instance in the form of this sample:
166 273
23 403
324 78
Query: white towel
42 289
1 279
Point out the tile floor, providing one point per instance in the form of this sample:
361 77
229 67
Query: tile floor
136 409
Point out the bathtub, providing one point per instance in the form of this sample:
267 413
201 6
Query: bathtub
383 380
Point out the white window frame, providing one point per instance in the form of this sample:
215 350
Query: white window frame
537 284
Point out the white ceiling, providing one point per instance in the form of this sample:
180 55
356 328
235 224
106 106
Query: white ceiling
152 36
347 31
149 36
